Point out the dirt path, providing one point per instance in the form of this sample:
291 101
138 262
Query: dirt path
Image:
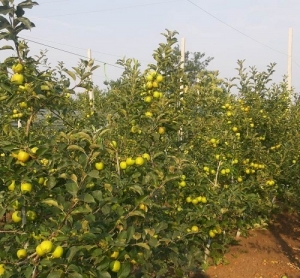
270 253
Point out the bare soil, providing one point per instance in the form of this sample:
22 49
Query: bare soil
270 253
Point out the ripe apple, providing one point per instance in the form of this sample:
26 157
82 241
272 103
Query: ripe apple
182 184
41 180
161 130
23 104
149 85
23 156
26 187
143 207
114 255
148 99
17 68
12 186
40 252
188 199
34 149
195 229
16 216
203 200
99 165
22 253
130 161
2 269
46 246
17 78
212 234
195 201
58 252
149 77
139 161
213 140
115 266
148 114
154 84
146 156
159 78
156 94
123 165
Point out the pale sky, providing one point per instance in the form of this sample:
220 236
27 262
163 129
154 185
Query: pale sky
114 29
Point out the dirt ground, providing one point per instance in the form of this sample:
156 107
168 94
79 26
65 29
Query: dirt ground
270 253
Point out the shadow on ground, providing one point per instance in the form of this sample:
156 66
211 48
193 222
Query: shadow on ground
287 227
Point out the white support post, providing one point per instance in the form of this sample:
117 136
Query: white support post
182 52
19 123
289 74
182 59
91 93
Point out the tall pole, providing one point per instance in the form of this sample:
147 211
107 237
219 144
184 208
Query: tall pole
182 60
182 52
289 74
91 93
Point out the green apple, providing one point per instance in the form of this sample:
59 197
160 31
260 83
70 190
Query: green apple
17 78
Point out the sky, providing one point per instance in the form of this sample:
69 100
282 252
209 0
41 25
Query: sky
227 30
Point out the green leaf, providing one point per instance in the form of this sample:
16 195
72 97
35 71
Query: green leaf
2 212
103 274
4 35
51 182
28 272
27 4
94 174
51 202
94 67
5 87
27 23
72 252
4 23
83 135
71 74
55 274
136 213
6 9
97 195
72 188
95 154
130 233
137 188
143 244
88 198
81 210
124 271
75 148
160 227
76 275
6 47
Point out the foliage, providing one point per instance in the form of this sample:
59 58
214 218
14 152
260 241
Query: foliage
148 180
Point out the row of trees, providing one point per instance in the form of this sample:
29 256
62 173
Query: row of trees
153 178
